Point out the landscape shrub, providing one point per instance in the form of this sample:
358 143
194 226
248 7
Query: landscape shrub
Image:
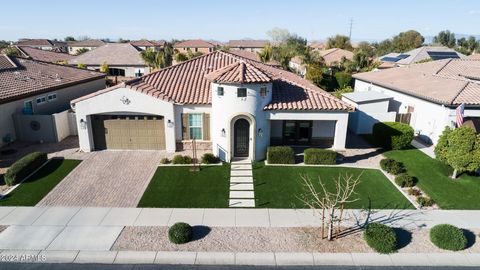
24 166
392 166
179 159
320 156
164 161
405 180
392 135
180 233
414 191
343 79
209 158
424 201
449 237
280 155
380 237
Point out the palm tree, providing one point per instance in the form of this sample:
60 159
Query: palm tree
158 59
265 54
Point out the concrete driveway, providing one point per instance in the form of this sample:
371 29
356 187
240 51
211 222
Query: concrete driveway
106 179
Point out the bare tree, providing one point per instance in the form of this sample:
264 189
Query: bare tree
320 199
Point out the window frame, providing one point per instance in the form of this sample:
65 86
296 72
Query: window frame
263 91
238 92
200 126
52 97
43 100
222 90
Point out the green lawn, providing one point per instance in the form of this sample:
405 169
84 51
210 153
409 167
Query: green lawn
32 190
462 193
281 187
179 187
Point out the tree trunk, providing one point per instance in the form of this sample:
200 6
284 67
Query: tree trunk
454 175
331 224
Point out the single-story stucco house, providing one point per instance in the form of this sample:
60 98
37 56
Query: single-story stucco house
426 95
232 106
31 91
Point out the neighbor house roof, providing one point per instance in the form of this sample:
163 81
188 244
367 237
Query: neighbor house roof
114 54
45 56
253 56
194 43
448 81
248 43
365 97
474 56
147 43
186 83
335 55
20 78
88 43
421 54
317 45
34 42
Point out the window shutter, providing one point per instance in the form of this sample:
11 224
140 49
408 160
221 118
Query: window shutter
206 126
185 128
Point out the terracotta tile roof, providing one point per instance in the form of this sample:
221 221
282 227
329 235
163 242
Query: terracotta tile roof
45 56
88 43
147 43
474 56
448 82
194 43
335 55
34 42
248 43
185 83
31 77
114 54
6 63
238 72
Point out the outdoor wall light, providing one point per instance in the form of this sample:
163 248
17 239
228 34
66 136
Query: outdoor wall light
260 132
222 132
169 123
83 124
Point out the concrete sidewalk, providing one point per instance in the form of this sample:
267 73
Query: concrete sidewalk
230 258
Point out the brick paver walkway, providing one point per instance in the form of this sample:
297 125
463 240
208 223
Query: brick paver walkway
106 179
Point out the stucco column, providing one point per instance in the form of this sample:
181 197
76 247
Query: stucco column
341 126
85 136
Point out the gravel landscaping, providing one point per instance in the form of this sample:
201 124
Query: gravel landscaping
305 239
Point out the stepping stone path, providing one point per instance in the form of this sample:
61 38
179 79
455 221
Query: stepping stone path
241 184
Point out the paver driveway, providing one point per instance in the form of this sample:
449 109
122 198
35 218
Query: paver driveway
106 179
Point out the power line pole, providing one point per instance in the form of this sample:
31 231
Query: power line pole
351 26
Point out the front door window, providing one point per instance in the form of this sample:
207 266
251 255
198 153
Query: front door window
297 132
241 138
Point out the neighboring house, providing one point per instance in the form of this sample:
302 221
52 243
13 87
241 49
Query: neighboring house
45 56
232 106
317 46
144 44
123 60
195 45
88 44
425 53
426 95
335 55
254 56
30 91
474 56
297 65
43 44
250 45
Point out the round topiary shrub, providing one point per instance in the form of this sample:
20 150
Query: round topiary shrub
180 233
405 180
449 237
381 238
187 160
392 166
178 159
393 135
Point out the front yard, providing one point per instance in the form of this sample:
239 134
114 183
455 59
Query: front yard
178 187
281 187
30 192
433 179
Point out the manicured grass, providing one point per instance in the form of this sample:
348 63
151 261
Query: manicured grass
32 190
433 179
282 187
179 187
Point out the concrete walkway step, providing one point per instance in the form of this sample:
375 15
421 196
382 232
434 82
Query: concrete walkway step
241 186
241 179
245 161
236 194
242 203
241 173
241 167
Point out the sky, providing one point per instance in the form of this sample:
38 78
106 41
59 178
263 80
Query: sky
224 20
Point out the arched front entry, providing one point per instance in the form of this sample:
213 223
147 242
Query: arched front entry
241 138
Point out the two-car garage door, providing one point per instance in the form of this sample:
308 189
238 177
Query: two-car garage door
128 132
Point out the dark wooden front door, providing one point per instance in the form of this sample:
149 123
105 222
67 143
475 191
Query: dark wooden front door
297 132
241 138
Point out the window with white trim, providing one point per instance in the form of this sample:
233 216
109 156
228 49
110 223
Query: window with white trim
241 92
41 100
52 97
195 125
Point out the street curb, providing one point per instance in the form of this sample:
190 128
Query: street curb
241 258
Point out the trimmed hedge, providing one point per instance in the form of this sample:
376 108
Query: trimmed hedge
425 201
280 155
320 156
449 237
381 238
24 166
179 159
405 180
165 161
180 233
392 166
209 158
393 135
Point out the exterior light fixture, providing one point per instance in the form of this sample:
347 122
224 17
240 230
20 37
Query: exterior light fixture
223 132
83 124
260 132
170 123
